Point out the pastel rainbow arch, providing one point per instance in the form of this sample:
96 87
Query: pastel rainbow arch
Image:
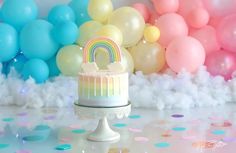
101 42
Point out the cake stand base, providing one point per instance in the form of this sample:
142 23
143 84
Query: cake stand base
103 131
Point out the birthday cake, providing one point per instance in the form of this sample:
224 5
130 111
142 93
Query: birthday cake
102 88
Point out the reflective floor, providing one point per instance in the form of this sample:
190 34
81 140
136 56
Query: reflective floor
205 130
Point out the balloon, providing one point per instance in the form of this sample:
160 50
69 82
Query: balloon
65 33
185 53
148 57
153 18
221 63
226 33
69 60
19 12
8 42
53 68
80 9
37 69
131 24
111 32
186 6
18 62
102 60
61 13
198 18
100 10
166 6
36 40
143 10
207 37
166 22
151 34
220 7
87 31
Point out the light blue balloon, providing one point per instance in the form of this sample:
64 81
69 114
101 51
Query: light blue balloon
61 13
8 42
65 33
53 68
18 62
36 40
81 12
19 12
37 69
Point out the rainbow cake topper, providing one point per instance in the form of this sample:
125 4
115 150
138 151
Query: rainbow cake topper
89 54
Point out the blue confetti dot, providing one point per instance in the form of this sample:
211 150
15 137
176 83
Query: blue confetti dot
8 119
134 116
218 132
179 129
120 125
41 127
63 147
3 146
162 145
33 138
79 131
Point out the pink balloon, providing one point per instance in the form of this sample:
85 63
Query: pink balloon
186 6
207 37
198 17
166 6
143 10
221 63
171 25
185 53
226 33
153 18
214 21
220 7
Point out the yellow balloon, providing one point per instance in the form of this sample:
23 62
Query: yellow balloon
100 10
69 60
102 60
88 31
148 57
111 32
151 34
131 24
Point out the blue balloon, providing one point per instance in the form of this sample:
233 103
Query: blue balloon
19 12
61 13
65 33
8 42
5 70
18 62
37 69
81 12
53 69
36 40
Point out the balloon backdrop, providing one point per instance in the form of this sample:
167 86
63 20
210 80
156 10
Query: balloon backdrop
18 63
69 60
151 33
8 42
185 53
198 18
53 68
131 24
36 40
143 10
166 6
19 12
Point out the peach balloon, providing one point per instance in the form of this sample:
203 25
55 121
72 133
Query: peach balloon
148 57
166 6
171 25
143 10
185 53
198 18
221 63
207 37
186 6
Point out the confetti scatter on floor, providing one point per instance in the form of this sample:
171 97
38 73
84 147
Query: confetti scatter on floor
143 131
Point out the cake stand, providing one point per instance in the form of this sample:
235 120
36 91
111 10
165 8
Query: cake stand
103 131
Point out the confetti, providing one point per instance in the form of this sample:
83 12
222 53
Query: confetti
179 129
141 139
23 151
135 130
134 116
177 116
63 147
224 124
22 114
218 132
120 125
33 138
79 131
49 118
204 144
3 146
229 139
8 119
118 150
41 127
162 145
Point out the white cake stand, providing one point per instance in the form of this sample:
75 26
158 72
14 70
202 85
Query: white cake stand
103 131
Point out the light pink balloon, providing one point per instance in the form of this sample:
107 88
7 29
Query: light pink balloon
221 63
207 37
171 25
166 6
185 53
214 21
198 17
186 6
226 33
220 7
143 10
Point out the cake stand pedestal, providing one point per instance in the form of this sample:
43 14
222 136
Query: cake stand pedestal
103 131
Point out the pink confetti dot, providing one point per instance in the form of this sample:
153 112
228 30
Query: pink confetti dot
23 151
141 139
135 130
